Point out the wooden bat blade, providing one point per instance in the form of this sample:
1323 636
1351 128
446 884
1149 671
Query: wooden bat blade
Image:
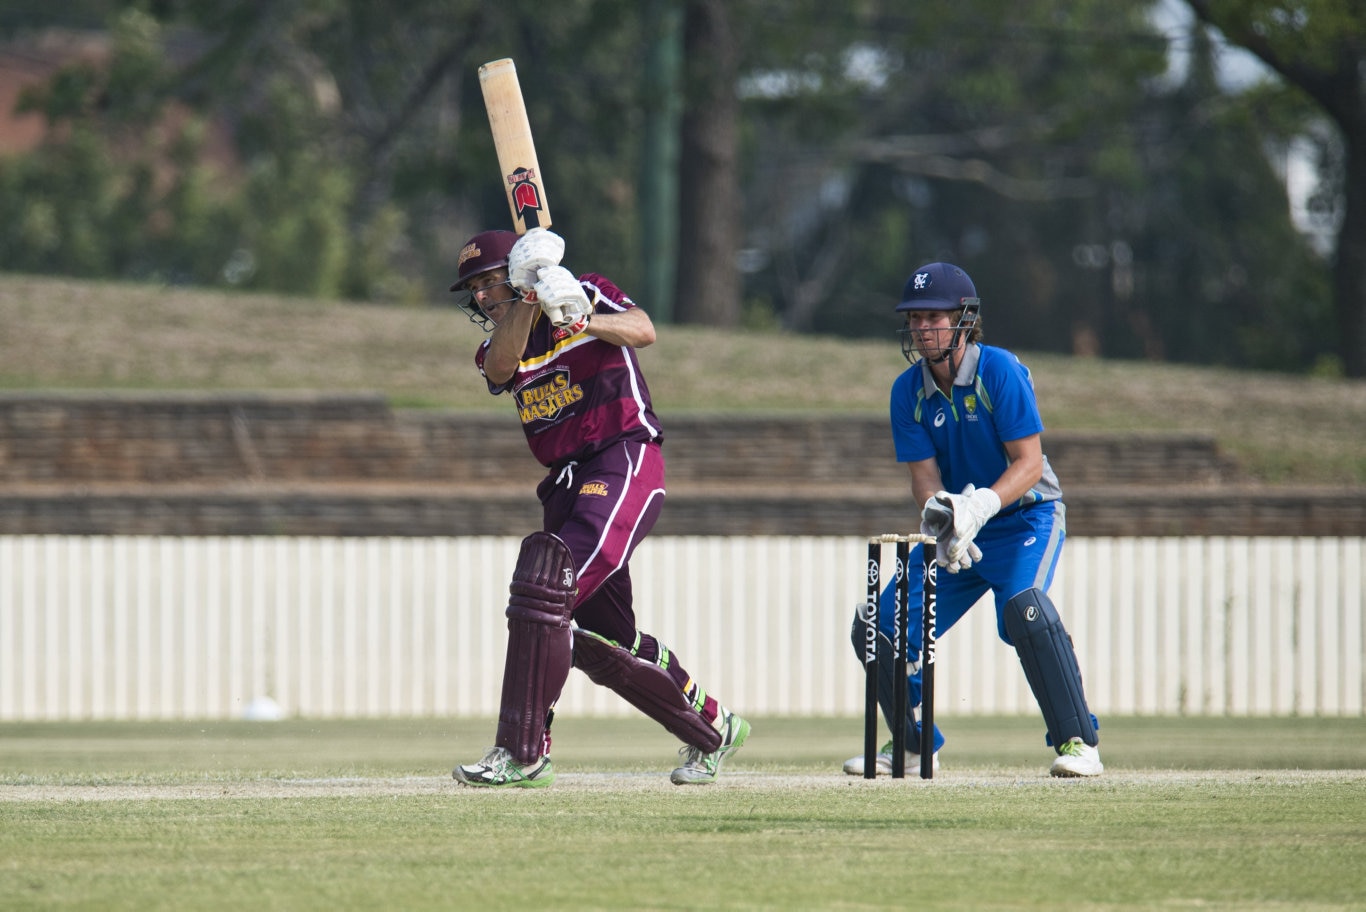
522 181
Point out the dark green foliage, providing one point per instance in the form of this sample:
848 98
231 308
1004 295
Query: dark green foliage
1100 206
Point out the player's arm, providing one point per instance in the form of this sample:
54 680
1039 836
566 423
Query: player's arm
965 514
631 327
508 341
925 480
1024 471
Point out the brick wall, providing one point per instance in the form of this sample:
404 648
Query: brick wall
302 464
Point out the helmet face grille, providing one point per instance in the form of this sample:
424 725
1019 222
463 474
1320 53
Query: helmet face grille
465 301
960 331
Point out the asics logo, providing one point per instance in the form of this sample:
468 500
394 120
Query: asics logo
939 419
1029 541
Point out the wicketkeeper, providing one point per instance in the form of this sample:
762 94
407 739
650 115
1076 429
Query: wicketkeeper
563 347
965 420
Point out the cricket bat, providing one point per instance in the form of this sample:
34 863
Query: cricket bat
522 182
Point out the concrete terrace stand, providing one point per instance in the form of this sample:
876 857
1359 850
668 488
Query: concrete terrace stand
350 465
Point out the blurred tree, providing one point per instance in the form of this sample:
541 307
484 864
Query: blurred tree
122 171
356 175
18 16
825 152
708 286
1041 147
1319 46
980 132
1206 288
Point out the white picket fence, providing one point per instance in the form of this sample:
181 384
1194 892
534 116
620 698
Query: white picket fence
161 628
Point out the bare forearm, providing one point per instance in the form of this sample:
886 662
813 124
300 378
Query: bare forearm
1016 481
508 341
632 328
1024 471
925 481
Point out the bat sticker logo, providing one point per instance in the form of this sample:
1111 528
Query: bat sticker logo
526 195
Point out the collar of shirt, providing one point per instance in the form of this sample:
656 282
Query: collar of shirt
967 371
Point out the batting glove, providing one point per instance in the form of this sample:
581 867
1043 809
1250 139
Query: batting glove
538 249
563 300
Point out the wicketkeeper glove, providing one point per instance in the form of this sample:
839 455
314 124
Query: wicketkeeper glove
937 520
538 249
563 300
970 510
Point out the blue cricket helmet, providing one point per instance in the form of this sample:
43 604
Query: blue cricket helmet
938 286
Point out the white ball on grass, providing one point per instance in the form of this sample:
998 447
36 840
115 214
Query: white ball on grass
263 709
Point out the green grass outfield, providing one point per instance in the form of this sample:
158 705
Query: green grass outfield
362 814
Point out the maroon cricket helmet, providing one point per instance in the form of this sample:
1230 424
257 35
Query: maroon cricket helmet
486 250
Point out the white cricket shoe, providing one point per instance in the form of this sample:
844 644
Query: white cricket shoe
854 765
699 768
498 769
1077 758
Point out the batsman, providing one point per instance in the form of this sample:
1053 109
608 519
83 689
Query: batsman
965 420
563 348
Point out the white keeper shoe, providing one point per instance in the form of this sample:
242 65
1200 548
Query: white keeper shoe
854 765
1076 758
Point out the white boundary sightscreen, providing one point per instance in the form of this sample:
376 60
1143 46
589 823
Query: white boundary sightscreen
124 627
